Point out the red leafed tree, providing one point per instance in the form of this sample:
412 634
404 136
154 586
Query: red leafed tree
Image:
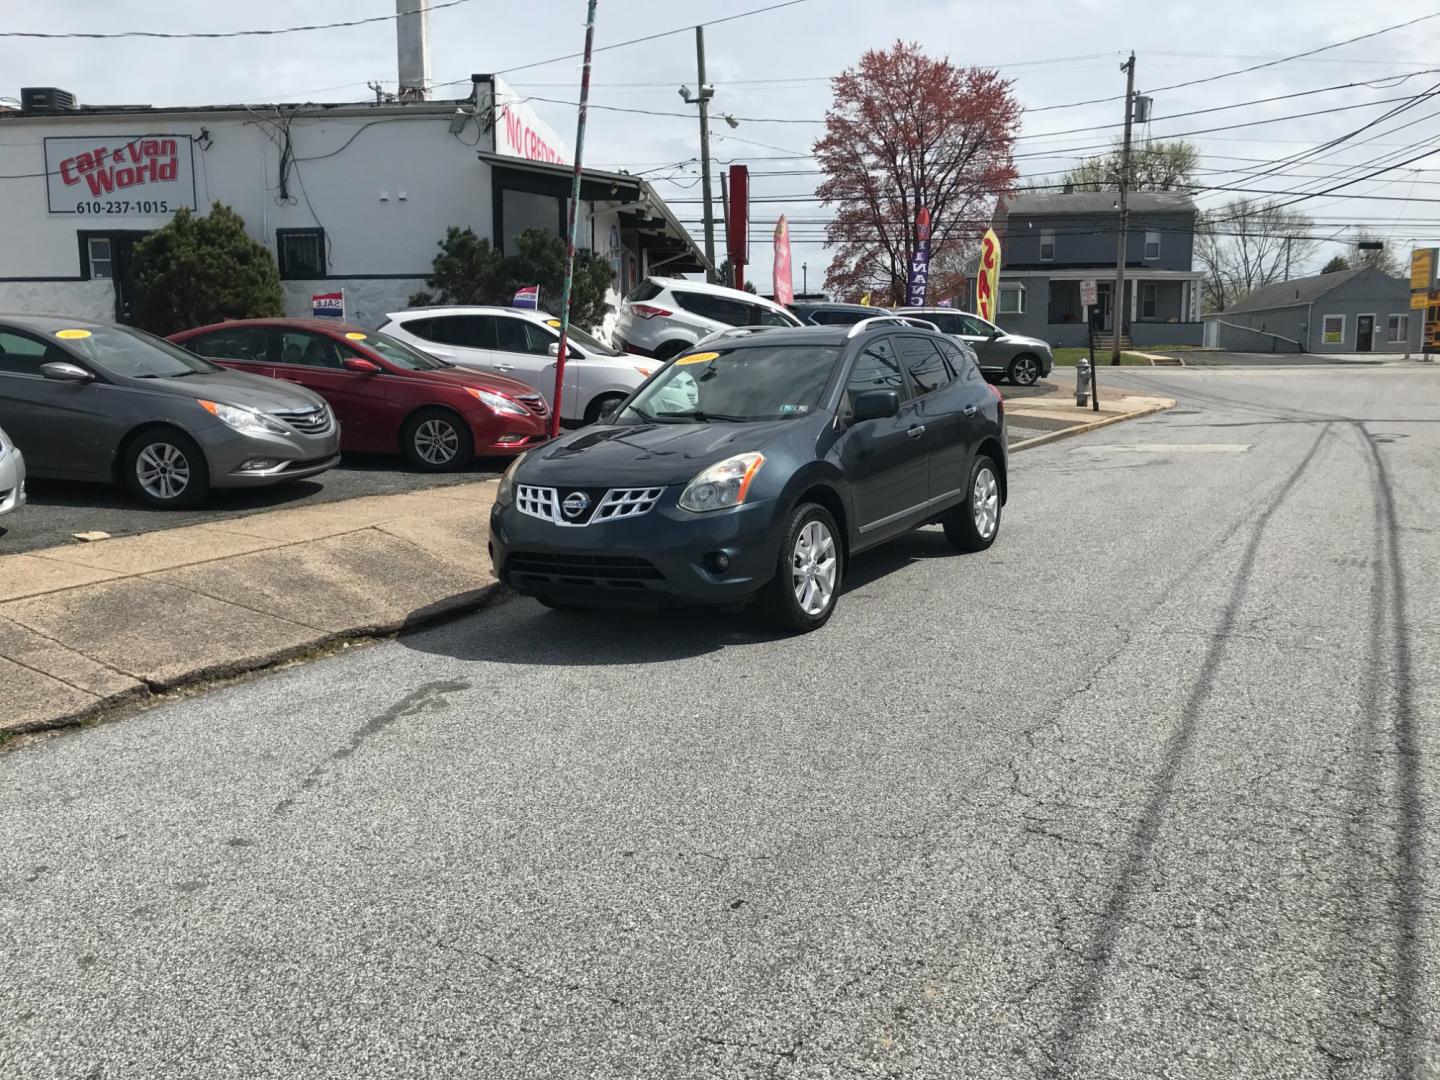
906 131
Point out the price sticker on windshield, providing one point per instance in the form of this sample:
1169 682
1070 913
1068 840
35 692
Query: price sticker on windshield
697 358
355 335
72 335
553 322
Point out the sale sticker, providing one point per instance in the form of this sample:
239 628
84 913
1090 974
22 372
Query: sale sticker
697 358
72 335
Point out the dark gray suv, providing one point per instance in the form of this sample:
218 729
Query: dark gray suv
96 401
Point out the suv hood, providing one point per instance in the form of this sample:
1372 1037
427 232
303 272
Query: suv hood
643 455
1021 339
234 388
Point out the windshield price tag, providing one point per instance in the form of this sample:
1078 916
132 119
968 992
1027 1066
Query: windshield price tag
698 358
72 335
355 335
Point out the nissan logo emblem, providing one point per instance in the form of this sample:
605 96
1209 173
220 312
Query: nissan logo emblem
575 504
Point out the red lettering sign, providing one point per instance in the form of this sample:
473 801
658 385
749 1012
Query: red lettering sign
139 162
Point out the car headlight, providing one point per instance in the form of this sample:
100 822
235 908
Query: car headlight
723 484
498 402
506 492
242 419
4 446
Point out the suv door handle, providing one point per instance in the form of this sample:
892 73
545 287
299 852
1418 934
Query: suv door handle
916 431
971 410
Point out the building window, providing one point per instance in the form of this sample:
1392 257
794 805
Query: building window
101 265
1012 298
1397 328
1147 300
1047 245
301 253
1332 330
1152 245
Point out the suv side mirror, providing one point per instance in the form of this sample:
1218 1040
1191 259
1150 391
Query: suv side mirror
60 371
875 405
361 366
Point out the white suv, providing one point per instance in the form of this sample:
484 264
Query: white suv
523 344
662 316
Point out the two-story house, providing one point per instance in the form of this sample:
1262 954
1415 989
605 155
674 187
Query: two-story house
1050 243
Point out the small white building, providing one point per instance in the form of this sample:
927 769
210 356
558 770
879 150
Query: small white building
348 197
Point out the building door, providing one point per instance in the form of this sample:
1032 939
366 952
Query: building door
1103 291
1364 333
111 255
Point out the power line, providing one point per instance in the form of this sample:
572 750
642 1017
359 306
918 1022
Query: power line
170 35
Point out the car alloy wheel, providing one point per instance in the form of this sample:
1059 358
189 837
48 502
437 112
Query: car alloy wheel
437 441
1025 370
985 503
813 567
163 471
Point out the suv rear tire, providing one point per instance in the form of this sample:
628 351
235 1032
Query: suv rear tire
670 350
1024 370
809 571
975 523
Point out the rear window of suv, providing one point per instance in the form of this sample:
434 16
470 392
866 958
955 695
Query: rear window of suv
646 290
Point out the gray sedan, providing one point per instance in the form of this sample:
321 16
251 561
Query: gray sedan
97 401
12 476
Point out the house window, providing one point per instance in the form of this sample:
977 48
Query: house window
1152 245
1147 300
1012 298
1047 245
1332 330
101 264
1397 328
301 253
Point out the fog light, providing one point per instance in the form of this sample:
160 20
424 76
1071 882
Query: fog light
511 437
259 464
718 562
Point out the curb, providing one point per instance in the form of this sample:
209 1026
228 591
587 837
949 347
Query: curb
153 692
1080 429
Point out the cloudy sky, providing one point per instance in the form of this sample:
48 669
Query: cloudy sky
775 66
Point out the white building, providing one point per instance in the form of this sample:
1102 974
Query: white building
352 197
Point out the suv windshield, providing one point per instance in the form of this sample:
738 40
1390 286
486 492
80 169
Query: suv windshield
400 354
575 334
124 350
735 383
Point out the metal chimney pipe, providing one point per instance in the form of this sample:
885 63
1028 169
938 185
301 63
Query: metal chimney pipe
412 45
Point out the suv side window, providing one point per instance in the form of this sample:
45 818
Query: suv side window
248 343
465 331
763 316
976 327
875 369
720 308
961 364
646 290
948 322
925 364
517 335
21 354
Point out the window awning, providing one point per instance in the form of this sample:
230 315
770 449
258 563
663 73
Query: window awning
664 240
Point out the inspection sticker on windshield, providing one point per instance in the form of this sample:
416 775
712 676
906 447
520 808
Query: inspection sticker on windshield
698 358
355 335
790 410
72 335
553 322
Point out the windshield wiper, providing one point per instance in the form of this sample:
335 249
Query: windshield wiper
702 417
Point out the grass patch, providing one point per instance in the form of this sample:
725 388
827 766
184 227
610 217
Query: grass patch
1070 357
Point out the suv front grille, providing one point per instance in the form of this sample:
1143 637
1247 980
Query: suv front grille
622 572
317 421
615 504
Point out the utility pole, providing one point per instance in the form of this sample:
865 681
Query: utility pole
564 347
1287 258
805 278
1118 301
705 93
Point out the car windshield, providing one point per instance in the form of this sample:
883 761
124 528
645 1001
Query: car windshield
736 382
400 354
123 350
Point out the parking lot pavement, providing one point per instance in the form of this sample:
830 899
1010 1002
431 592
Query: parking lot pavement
59 509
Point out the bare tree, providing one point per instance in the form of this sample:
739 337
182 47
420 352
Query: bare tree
1248 243
1382 259
1154 166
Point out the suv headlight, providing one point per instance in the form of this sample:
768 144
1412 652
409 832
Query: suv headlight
242 419
723 484
505 494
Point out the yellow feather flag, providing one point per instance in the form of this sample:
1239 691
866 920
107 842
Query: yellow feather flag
865 300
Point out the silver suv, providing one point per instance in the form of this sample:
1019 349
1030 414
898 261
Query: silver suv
663 316
1022 360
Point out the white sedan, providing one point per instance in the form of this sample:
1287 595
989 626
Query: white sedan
524 345
12 476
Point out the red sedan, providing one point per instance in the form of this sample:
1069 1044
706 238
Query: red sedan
387 395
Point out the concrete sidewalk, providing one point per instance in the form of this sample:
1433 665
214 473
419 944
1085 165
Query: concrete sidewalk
1057 415
87 626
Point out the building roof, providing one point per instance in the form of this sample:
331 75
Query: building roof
1100 202
1293 293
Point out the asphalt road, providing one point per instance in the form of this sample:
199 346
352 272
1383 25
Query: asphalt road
1149 789
58 509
